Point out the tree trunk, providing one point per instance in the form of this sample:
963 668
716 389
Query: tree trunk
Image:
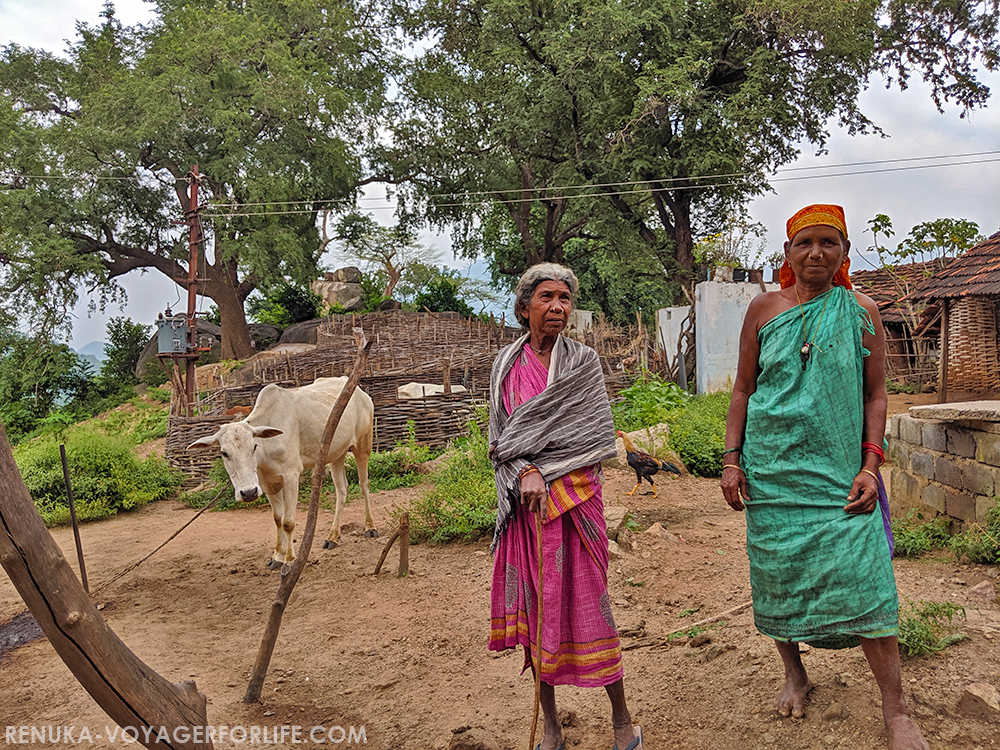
131 693
223 288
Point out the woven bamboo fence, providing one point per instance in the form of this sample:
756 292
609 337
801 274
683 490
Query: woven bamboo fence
973 363
409 347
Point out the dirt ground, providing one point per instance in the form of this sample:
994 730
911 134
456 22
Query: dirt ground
407 659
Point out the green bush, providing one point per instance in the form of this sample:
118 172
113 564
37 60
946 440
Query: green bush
980 544
649 401
106 475
914 536
698 433
389 470
926 627
462 501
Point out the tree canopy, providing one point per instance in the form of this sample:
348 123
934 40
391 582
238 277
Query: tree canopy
276 101
575 128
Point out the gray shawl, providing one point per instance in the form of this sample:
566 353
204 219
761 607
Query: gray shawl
565 427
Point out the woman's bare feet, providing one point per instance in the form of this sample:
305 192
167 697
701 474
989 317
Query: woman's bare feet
791 699
904 734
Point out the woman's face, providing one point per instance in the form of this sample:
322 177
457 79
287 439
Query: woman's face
815 253
548 308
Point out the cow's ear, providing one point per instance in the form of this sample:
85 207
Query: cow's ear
205 442
266 432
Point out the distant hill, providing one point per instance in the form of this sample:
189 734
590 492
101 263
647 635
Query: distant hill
94 349
93 354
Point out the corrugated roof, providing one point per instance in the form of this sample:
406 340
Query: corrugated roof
888 285
974 273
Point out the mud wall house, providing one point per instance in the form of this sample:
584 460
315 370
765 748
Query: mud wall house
966 295
911 338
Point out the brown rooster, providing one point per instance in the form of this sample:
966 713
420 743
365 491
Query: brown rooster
644 464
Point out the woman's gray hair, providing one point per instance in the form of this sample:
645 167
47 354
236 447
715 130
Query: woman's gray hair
534 276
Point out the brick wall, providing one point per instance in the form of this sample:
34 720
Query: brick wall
946 467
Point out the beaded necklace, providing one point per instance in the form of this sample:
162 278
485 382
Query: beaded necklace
807 345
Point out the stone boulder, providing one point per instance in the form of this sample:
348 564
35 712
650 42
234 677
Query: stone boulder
302 333
348 296
389 304
347 274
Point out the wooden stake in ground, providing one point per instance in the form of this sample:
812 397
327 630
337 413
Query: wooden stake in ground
290 573
72 517
403 535
129 691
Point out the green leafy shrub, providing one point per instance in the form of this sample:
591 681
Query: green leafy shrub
649 401
106 475
160 395
914 536
462 501
980 544
389 470
893 387
926 627
698 433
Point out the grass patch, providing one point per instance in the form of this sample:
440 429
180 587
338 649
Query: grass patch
698 433
893 387
461 503
695 630
913 535
106 475
980 543
927 627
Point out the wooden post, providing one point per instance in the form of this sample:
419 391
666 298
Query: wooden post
943 377
72 517
290 573
129 691
404 545
447 375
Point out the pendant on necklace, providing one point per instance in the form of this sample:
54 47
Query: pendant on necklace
804 354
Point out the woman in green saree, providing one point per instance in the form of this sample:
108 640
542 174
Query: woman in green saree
803 447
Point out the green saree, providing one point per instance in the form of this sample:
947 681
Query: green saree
817 574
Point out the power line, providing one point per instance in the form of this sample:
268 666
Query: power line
241 212
643 192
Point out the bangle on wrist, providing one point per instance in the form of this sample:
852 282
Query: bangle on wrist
737 449
526 470
869 471
734 466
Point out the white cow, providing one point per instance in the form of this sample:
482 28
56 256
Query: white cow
281 436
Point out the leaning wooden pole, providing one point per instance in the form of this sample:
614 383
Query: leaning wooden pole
137 698
290 573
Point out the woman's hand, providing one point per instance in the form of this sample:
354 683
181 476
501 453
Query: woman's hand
734 487
865 494
532 490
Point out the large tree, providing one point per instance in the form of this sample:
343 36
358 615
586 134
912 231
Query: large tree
274 100
666 115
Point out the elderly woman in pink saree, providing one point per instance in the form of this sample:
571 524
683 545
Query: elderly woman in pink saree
550 427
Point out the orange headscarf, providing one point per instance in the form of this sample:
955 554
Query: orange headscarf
817 214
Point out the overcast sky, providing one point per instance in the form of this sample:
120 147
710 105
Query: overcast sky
916 130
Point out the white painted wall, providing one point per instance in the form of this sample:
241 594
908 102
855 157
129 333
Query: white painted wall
719 311
668 329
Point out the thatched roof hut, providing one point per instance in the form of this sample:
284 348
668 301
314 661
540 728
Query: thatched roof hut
910 357
968 294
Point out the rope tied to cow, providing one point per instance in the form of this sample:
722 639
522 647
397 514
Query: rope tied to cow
128 569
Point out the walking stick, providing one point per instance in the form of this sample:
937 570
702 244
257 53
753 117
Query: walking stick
537 660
